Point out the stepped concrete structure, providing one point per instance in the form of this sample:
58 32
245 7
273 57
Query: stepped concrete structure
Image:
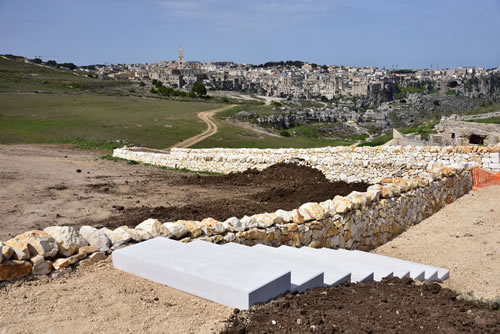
241 276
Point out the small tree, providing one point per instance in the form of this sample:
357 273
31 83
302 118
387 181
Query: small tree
52 63
37 61
199 89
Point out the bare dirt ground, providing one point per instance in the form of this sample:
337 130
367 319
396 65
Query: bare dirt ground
463 237
207 117
40 186
101 299
53 185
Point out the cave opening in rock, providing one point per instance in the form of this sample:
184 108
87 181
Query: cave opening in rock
476 139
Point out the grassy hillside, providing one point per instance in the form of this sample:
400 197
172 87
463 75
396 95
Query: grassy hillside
16 76
47 105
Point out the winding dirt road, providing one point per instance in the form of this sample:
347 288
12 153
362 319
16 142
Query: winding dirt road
205 116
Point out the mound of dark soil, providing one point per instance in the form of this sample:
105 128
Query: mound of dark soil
281 186
392 306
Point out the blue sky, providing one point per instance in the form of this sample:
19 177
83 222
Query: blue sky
405 33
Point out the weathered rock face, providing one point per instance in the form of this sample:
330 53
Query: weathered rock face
95 237
68 240
15 269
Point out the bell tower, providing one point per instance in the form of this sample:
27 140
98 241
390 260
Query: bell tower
180 59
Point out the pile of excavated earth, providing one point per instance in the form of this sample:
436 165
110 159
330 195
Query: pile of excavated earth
281 186
390 306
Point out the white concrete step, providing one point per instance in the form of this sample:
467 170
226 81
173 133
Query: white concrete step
421 272
358 274
232 281
332 275
303 277
380 266
331 256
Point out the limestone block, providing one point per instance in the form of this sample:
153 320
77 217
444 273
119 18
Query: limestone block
153 227
94 258
234 224
386 191
312 211
249 222
177 231
284 216
38 242
372 196
65 262
40 266
87 250
140 235
342 204
95 237
67 238
297 217
210 227
192 226
6 251
229 237
20 249
121 234
329 207
357 199
14 269
108 233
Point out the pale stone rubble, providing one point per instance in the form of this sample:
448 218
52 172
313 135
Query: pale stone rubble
361 220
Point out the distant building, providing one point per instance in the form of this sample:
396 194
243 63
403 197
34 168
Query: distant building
180 60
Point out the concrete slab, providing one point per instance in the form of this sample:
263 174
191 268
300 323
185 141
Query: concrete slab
302 277
333 275
238 283
420 272
379 270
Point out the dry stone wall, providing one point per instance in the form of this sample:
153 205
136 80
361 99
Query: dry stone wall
361 220
350 164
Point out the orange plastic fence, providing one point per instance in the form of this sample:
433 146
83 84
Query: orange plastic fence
482 178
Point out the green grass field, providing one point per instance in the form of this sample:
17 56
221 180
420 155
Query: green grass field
48 105
105 120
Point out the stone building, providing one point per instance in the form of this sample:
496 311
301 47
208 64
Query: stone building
453 133
468 133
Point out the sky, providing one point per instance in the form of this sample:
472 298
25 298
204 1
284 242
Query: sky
390 33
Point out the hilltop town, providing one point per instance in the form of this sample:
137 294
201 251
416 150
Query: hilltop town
297 79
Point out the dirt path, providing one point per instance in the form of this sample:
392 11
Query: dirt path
463 237
205 116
